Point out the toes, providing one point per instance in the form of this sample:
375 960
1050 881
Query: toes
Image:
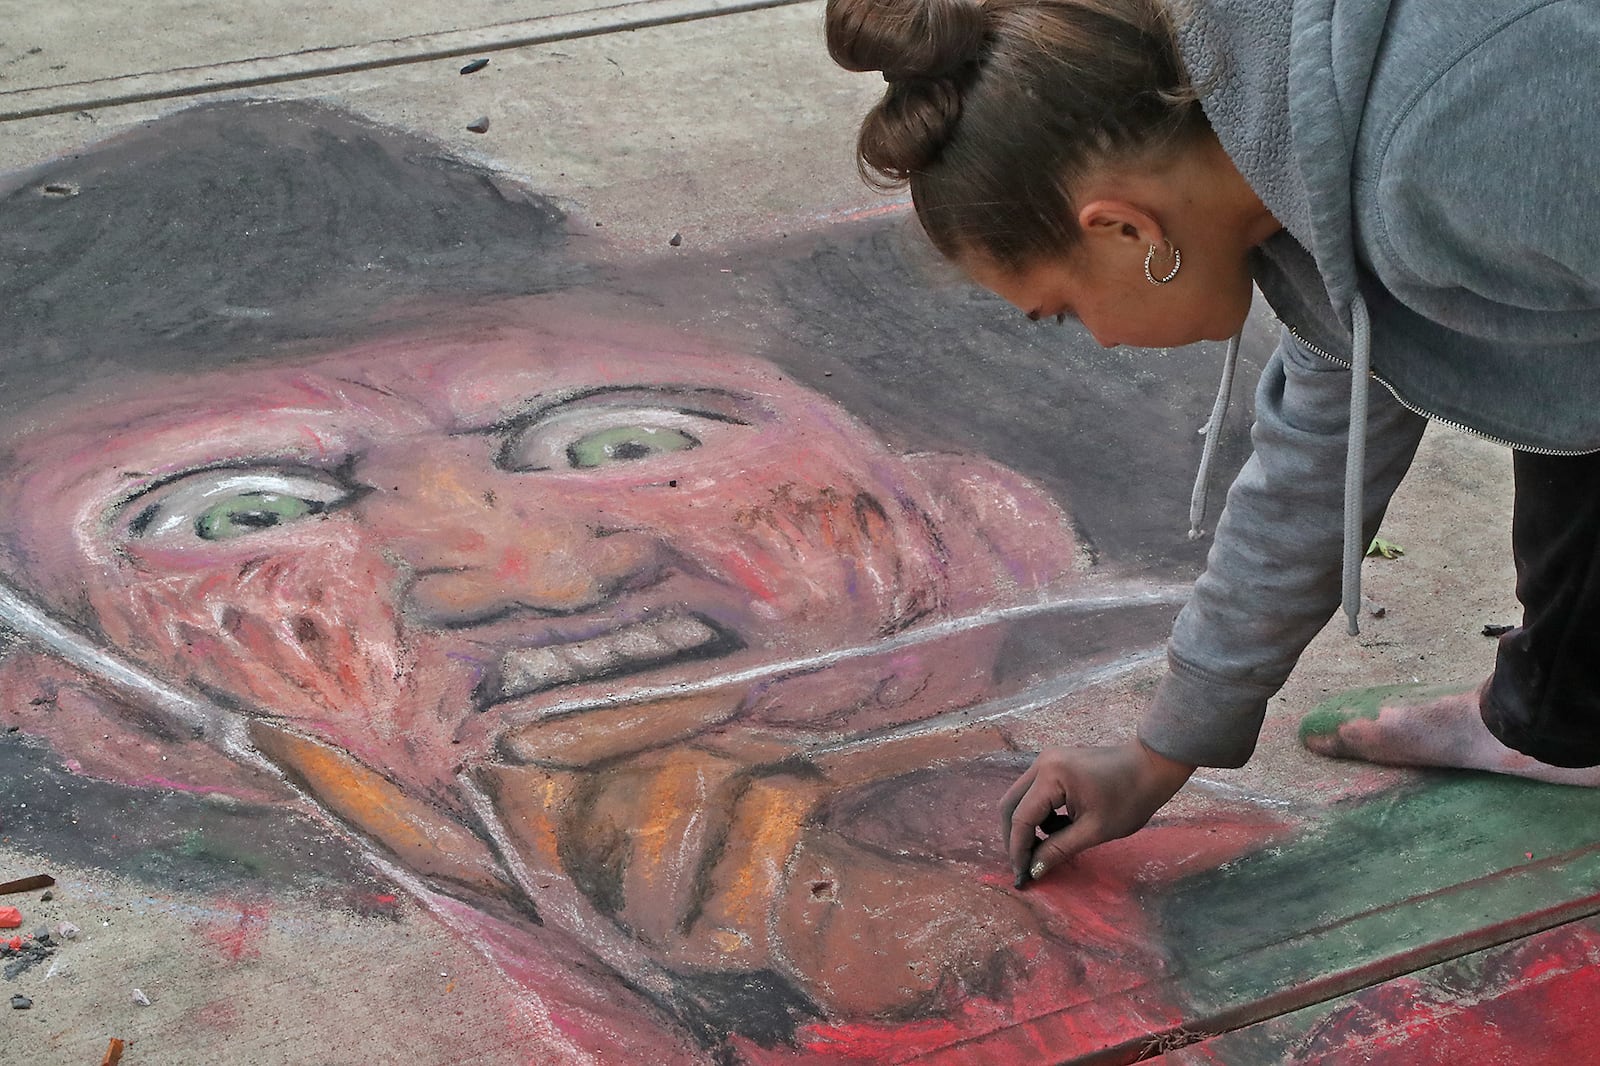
1322 731
1324 728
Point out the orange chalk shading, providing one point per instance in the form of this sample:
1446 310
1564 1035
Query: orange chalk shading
428 839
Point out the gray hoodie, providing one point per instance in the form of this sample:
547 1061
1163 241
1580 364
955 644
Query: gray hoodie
1434 164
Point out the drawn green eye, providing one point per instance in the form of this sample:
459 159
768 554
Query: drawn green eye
232 502
605 433
251 512
624 444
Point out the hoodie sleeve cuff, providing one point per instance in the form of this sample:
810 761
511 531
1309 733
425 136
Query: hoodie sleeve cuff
1204 720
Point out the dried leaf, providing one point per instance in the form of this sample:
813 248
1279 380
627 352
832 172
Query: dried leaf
1384 549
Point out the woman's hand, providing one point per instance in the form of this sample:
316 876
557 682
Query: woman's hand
1107 793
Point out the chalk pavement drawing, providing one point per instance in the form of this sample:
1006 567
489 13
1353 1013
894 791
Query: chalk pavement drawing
669 664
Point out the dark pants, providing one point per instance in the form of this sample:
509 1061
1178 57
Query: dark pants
1544 696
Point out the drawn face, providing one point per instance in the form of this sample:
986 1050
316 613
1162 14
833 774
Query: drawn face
390 541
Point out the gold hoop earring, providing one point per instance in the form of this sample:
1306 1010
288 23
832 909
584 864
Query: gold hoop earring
1149 257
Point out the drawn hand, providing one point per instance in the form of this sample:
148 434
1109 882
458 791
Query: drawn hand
1107 793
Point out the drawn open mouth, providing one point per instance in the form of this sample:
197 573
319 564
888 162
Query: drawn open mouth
628 649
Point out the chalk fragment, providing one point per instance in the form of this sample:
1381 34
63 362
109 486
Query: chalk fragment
140 998
26 884
113 1053
10 918
67 931
474 66
21 1002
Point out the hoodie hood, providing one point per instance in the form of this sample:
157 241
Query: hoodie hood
1240 56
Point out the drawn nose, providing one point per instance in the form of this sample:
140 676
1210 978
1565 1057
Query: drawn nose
479 549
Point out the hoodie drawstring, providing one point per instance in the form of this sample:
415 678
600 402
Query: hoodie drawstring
1355 456
1212 431
1356 460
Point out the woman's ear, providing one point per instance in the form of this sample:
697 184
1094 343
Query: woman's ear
1120 221
96 733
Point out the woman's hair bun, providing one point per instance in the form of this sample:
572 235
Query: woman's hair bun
906 39
923 48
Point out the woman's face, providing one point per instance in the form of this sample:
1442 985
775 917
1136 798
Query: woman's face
1102 284
388 541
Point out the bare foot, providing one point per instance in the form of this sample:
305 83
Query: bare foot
1413 726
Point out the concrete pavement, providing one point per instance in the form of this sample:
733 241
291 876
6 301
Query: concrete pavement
724 125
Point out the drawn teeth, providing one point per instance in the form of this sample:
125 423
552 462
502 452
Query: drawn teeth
629 648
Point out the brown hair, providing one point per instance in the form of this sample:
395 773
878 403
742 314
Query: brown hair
995 109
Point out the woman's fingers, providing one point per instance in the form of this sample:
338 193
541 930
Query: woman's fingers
1013 796
1058 847
1038 802
1054 822
1110 792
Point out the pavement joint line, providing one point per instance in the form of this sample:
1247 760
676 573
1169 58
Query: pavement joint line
69 97
1333 987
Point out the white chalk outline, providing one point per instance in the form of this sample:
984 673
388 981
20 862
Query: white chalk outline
226 729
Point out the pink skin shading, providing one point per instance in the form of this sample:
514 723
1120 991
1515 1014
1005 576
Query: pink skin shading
413 548
441 522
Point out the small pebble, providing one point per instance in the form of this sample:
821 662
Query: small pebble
474 66
67 931
677 239
21 1002
479 124
1494 629
140 998
47 897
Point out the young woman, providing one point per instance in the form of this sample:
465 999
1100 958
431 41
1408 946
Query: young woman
1411 185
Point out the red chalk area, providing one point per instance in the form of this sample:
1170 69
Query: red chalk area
10 917
1308 922
1529 1001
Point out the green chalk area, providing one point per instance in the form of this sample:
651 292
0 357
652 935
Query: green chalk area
1386 885
1327 716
